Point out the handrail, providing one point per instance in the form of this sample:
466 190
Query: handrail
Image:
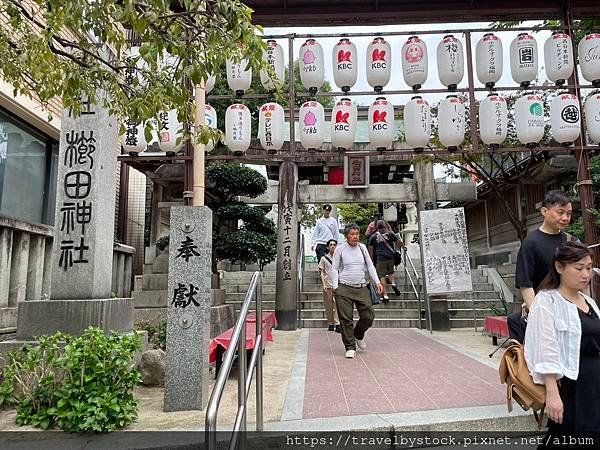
301 265
238 339
417 292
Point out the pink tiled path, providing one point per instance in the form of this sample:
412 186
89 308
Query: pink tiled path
401 370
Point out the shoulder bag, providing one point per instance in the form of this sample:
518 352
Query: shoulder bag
397 254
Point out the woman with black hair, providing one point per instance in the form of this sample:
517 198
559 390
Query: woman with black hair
562 343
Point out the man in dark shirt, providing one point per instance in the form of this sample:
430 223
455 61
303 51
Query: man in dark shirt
536 253
382 249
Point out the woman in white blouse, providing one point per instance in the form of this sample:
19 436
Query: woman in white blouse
562 343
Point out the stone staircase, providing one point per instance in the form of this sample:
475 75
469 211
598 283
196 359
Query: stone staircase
401 312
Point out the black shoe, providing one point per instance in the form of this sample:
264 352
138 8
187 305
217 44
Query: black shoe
338 329
395 289
330 328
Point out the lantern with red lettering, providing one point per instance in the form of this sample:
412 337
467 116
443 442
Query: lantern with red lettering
589 58
451 122
493 120
239 76
270 127
558 57
414 62
345 64
134 140
210 120
529 119
417 123
565 118
274 57
343 124
170 131
592 117
523 59
237 128
381 124
379 63
450 61
210 83
312 65
312 125
488 59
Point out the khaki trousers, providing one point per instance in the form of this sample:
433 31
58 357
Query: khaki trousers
345 299
330 309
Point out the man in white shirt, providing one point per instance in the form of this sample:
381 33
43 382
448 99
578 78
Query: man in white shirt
325 230
333 324
349 267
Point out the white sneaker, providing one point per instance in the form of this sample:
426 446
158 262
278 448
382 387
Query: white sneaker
350 353
361 344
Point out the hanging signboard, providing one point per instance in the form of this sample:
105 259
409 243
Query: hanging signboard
445 251
356 172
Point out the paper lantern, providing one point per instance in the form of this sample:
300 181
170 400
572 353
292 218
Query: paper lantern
210 120
343 124
558 57
488 59
237 128
451 122
450 61
312 125
239 76
414 62
523 59
134 140
210 84
270 127
592 117
565 118
589 58
493 120
529 119
312 65
417 123
345 64
379 63
170 129
381 124
274 57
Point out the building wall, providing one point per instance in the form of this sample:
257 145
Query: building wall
136 207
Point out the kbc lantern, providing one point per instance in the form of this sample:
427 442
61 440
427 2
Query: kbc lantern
558 57
451 122
343 124
237 128
274 57
565 118
312 125
345 64
414 62
589 58
312 65
379 63
489 60
523 59
493 120
417 123
169 130
270 127
529 119
381 124
592 117
450 61
210 83
239 76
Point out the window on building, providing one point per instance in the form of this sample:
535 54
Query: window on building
28 166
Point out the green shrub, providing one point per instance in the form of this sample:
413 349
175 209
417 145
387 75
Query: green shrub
157 332
79 384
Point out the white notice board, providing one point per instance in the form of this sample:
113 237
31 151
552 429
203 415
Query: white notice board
445 251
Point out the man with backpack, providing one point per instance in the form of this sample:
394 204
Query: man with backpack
382 250
333 324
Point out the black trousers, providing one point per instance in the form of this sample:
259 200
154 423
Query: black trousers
321 250
516 327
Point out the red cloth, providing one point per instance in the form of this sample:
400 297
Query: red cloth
268 318
224 339
496 326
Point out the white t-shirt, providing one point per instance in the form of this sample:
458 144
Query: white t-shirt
348 266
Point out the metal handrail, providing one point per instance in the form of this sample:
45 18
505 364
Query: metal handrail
301 265
417 292
238 340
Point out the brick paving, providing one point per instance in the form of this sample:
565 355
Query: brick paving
401 370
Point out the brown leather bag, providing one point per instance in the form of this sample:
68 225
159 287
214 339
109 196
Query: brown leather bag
519 383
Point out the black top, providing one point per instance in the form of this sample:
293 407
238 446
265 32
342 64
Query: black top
535 258
590 333
383 252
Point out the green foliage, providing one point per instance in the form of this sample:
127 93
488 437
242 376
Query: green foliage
254 218
245 246
157 332
234 180
163 242
309 214
587 26
359 213
79 384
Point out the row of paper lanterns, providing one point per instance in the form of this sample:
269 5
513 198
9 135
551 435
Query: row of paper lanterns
529 121
558 55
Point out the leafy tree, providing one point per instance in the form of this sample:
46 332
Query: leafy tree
309 214
359 213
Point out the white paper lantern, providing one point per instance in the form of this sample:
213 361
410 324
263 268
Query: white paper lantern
451 122
379 63
592 117
493 120
239 76
270 127
523 59
237 128
170 130
345 64
558 57
414 62
210 120
312 65
529 119
312 125
450 61
565 118
343 124
589 58
210 83
274 57
134 140
489 60
417 123
381 124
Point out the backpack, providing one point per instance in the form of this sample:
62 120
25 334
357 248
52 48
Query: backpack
519 383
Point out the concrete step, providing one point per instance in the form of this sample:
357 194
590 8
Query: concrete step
377 323
155 282
413 304
507 269
466 323
480 313
381 313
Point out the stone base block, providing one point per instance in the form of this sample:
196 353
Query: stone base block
217 297
42 317
155 281
150 299
8 317
222 318
440 317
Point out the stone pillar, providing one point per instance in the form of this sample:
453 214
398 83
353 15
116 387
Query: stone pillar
47 281
6 239
18 268
35 271
188 309
287 248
